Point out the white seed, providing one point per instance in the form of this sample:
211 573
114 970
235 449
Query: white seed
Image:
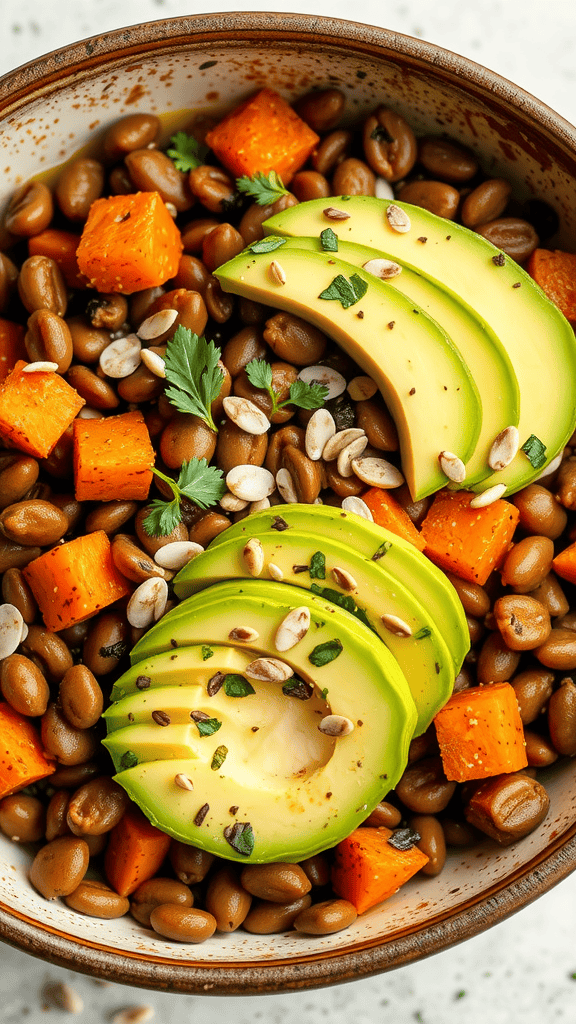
269 670
253 555
398 220
319 429
348 454
177 554
384 269
275 571
183 782
377 473
292 629
122 357
277 273
11 623
285 485
153 362
362 388
551 467
147 603
452 467
171 209
339 441
325 375
259 506
359 507
88 413
336 725
230 503
246 415
396 625
40 366
133 1015
344 578
504 448
251 483
489 496
245 634
331 213
383 189
24 632
153 326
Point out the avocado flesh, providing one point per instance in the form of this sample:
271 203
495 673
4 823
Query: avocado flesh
426 662
402 560
423 378
170 669
294 814
538 339
481 350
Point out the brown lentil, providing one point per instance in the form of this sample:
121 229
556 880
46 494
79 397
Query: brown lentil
22 818
95 899
59 867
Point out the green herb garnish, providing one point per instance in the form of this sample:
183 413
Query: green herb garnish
535 451
267 244
324 653
329 240
343 601
423 633
191 365
208 726
346 292
240 835
202 484
305 396
381 551
128 760
318 566
218 758
237 686
263 188
187 153
207 652
297 688
324 693
404 838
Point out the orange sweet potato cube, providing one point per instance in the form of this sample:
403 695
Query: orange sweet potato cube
129 243
263 134
368 869
480 733
112 458
73 581
36 409
469 542
564 564
22 759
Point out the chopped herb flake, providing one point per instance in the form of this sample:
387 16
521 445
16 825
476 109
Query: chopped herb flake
381 551
404 838
218 758
186 152
345 601
297 688
263 188
318 566
279 524
324 693
423 633
237 686
117 650
214 684
240 835
128 760
201 814
329 240
207 652
267 244
346 292
208 726
324 653
535 451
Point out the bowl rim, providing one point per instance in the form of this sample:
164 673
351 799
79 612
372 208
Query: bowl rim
45 75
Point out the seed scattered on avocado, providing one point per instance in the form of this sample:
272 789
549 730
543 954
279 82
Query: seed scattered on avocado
299 568
279 524
344 579
201 814
336 725
499 260
143 682
396 625
183 781
331 213
215 683
200 716
161 718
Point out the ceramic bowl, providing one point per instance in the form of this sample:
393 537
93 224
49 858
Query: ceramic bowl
61 104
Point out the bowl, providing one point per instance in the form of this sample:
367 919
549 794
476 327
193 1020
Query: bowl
58 106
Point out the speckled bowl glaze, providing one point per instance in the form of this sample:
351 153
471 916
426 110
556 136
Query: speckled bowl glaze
182 68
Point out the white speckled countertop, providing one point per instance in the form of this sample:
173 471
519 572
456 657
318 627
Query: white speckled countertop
521 970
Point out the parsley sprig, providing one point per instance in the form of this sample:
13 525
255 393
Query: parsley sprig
186 152
191 365
263 188
200 483
305 396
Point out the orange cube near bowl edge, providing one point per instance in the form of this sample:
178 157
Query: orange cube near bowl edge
73 581
469 542
480 733
367 869
36 409
22 759
263 134
112 458
129 243
564 564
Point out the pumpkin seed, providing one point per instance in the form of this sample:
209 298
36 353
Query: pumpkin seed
270 670
336 725
177 554
377 473
11 624
148 603
398 220
359 507
246 415
348 454
489 496
253 555
384 269
339 441
292 629
452 467
325 375
320 428
504 448
250 483
121 357
285 485
396 625
153 362
153 326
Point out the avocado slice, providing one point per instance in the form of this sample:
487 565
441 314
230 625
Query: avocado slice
296 790
482 351
171 669
423 656
425 382
538 339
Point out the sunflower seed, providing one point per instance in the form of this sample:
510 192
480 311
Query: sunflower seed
362 388
398 220
183 781
277 273
11 623
325 375
246 415
153 326
147 603
336 725
339 441
359 507
177 554
244 634
504 448
153 362
344 579
171 209
275 571
488 497
384 269
40 366
250 483
452 467
230 503
268 670
253 555
383 189
377 473
259 506
333 214
285 485
348 454
396 625
121 357
320 428
292 629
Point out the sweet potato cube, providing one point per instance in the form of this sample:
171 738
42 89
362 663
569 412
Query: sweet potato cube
263 134
469 542
75 580
36 409
135 852
367 869
12 346
22 759
480 733
112 458
129 243
555 272
564 564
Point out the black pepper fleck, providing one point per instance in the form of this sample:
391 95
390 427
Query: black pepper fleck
412 391
422 239
517 285
391 325
499 260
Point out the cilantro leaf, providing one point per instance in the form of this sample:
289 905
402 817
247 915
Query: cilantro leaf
318 566
259 373
186 153
307 396
162 518
208 726
346 292
237 686
329 240
128 759
202 484
535 451
191 365
263 188
240 835
324 653
267 244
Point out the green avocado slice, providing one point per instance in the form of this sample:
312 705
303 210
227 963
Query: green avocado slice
279 779
425 382
423 655
402 560
538 339
482 351
170 669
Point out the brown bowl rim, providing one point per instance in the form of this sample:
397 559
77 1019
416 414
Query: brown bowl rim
43 76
